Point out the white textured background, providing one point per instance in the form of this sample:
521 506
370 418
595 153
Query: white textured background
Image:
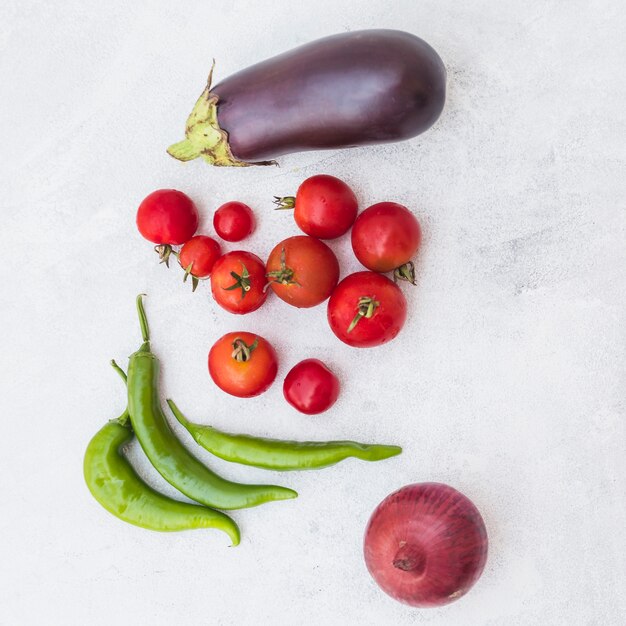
507 382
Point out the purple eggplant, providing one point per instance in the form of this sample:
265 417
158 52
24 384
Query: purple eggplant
352 89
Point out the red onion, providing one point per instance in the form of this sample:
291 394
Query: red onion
426 544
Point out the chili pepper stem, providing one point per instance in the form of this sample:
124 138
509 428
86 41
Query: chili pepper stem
176 411
143 322
179 416
123 419
119 370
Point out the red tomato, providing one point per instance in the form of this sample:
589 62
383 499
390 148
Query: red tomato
198 255
302 271
310 387
233 221
385 236
325 207
242 364
168 217
238 282
366 310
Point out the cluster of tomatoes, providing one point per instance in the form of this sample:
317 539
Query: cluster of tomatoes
365 309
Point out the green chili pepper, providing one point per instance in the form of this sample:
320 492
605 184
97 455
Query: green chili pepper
168 455
116 486
275 454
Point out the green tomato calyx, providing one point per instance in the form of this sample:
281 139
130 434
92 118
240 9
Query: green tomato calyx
365 309
288 202
284 275
242 281
242 351
405 272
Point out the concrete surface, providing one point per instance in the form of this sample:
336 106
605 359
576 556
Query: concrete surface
507 382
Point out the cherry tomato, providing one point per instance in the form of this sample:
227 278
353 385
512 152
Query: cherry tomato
238 282
198 255
310 387
385 237
167 217
366 310
233 221
302 271
242 364
325 207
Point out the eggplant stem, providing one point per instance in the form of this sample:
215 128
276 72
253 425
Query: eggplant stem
204 137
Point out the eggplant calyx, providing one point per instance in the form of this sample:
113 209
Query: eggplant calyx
204 137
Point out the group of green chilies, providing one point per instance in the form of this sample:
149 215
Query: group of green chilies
118 488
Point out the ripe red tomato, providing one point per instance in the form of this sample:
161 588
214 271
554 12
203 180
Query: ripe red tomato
238 282
302 271
325 207
167 217
385 237
310 387
366 310
233 221
242 364
198 255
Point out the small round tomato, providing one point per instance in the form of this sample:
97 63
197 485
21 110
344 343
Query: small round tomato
198 255
385 237
302 271
242 364
167 217
366 310
310 387
233 221
238 282
325 207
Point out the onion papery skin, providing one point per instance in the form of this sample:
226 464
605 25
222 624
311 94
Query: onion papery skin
426 544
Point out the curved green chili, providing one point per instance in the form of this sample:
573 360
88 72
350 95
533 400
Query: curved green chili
275 454
167 454
117 487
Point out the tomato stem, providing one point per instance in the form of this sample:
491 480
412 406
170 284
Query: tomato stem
284 275
241 281
164 251
285 203
366 308
194 279
242 351
405 272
